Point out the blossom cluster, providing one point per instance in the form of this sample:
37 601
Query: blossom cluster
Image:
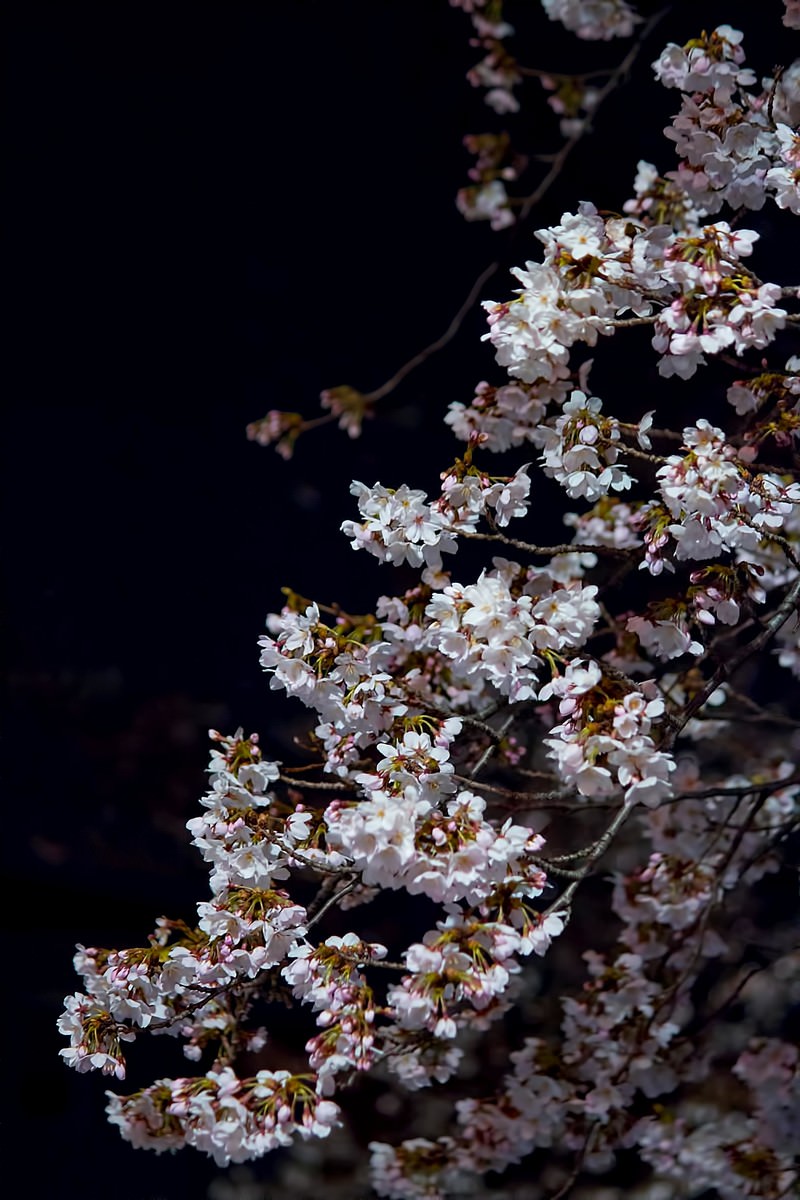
230 1119
551 765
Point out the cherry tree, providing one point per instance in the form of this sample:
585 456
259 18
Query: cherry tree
580 757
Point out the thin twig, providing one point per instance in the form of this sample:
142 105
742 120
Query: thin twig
548 551
490 749
708 793
615 78
712 1016
301 784
732 663
311 862
441 342
626 322
532 798
563 903
551 867
578 1167
634 453
334 899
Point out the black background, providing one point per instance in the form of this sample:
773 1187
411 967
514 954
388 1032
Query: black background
212 211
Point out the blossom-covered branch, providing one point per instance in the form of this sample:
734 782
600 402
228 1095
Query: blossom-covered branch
549 747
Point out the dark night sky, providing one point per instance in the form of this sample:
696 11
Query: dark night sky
211 211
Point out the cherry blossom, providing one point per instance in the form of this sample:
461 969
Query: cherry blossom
558 755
